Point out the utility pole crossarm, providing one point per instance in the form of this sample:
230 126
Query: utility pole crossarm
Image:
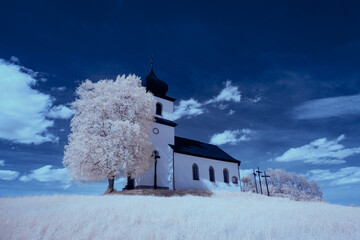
259 172
255 181
267 188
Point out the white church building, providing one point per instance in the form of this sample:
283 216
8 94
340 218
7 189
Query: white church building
182 163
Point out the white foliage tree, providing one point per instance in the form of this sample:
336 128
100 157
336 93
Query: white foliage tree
110 131
285 184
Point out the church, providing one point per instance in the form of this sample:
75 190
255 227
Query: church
181 163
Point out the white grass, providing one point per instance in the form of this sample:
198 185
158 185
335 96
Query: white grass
223 216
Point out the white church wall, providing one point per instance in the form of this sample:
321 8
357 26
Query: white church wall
161 143
184 178
167 108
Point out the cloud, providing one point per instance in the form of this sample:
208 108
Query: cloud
192 107
231 136
348 175
222 106
188 108
8 175
255 100
24 110
231 112
320 151
61 112
47 174
229 93
328 107
14 59
59 89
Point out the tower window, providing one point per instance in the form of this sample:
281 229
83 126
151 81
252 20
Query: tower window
211 174
158 109
195 171
226 175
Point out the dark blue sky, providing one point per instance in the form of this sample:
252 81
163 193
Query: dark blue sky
300 59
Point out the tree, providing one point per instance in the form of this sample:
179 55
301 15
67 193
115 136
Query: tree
110 131
285 184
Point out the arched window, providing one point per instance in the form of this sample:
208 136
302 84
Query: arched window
211 174
235 180
226 175
158 109
195 171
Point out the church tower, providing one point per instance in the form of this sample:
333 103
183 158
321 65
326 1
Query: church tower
162 135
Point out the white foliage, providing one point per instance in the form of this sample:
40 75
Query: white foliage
285 184
110 130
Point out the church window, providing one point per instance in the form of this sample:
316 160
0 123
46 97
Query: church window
158 109
226 175
195 171
235 180
211 174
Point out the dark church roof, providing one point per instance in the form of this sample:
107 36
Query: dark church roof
156 86
200 149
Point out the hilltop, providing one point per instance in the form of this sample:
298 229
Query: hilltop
222 215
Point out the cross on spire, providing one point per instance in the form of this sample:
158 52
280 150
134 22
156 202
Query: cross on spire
152 62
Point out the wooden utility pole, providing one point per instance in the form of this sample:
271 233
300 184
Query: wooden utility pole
267 188
255 181
258 172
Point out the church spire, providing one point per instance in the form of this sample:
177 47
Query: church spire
154 84
152 62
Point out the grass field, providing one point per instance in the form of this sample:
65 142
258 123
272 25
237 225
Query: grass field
221 215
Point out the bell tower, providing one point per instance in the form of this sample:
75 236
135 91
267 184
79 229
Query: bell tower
163 134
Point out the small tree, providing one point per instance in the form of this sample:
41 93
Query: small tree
285 184
110 131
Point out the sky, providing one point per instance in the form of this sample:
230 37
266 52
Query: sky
273 83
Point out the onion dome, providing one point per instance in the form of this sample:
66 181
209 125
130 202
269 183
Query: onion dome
155 85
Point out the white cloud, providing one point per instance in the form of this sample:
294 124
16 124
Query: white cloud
232 136
2 163
328 107
188 108
8 175
61 112
222 106
60 89
47 174
320 151
23 110
14 59
347 175
191 107
231 112
229 93
255 100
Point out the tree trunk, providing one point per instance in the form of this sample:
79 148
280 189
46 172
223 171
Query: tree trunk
110 188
